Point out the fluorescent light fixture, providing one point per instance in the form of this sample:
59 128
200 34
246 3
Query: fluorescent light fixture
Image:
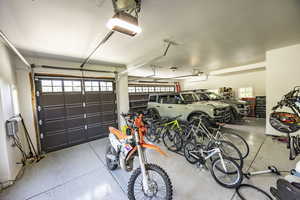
124 23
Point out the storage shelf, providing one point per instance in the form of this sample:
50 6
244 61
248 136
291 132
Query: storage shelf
139 100
143 106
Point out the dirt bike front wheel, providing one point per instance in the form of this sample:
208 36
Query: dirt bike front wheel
160 186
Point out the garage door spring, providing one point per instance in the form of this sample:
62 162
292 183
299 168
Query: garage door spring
294 146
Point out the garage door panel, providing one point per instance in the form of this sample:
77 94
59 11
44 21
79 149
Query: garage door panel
53 126
74 110
94 119
108 108
91 97
93 108
108 116
96 131
75 122
55 141
77 135
73 98
72 114
47 99
52 113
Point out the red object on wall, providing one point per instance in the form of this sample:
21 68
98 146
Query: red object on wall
251 102
177 87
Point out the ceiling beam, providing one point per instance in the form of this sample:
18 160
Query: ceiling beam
239 69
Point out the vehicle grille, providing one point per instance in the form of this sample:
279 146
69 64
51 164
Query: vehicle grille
224 115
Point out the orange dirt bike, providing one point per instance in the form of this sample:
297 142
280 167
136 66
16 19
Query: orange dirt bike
149 181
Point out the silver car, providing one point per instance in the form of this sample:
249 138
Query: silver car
187 105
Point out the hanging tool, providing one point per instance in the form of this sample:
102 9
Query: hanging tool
32 151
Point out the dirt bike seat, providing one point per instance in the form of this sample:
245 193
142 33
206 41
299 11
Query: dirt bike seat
285 190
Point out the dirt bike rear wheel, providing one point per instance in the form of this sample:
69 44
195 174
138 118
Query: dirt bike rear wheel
111 165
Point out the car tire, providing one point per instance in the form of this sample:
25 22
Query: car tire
196 116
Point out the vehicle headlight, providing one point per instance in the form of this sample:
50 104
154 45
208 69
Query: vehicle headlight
218 111
240 106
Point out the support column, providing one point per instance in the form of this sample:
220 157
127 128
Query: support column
122 96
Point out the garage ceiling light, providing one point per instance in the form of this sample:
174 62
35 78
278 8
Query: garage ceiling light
124 23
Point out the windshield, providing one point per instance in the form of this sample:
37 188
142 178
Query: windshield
214 96
189 97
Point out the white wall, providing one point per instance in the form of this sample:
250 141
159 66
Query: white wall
9 155
255 79
282 74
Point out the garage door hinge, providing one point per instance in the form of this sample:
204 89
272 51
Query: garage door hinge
40 122
39 108
84 116
83 104
42 135
85 127
37 93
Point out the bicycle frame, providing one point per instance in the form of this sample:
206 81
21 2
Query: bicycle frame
210 154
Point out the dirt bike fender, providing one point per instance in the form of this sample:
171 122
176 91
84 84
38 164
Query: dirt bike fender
154 147
115 143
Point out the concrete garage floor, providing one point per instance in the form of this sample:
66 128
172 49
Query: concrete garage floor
79 172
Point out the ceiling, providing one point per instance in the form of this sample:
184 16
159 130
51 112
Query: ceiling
211 34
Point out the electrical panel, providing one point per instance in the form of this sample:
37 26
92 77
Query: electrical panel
12 127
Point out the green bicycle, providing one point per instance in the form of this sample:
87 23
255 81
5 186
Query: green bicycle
169 130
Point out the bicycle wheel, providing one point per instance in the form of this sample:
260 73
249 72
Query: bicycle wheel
172 140
228 180
152 135
228 150
191 152
247 191
238 141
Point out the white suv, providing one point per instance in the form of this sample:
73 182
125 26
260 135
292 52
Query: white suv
188 105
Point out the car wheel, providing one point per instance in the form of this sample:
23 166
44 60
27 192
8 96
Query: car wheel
196 116
154 113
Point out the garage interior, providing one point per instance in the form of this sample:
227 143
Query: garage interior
68 73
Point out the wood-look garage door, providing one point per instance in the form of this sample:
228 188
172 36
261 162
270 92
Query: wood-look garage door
74 111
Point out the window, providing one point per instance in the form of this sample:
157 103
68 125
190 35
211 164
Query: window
145 89
152 98
203 97
246 92
106 86
167 89
163 99
131 89
72 86
174 99
157 89
162 89
189 97
139 89
214 91
171 89
151 89
51 86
